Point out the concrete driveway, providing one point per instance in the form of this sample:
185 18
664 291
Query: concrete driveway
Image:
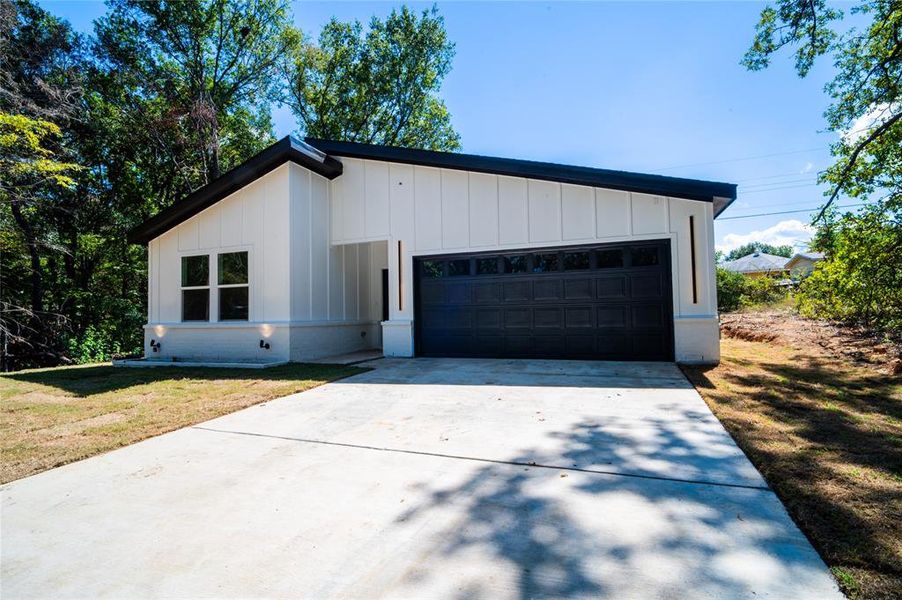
423 478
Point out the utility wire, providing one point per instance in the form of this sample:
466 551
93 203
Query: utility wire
783 212
787 187
729 160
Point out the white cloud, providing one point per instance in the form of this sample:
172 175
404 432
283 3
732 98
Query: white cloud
792 232
863 124
808 166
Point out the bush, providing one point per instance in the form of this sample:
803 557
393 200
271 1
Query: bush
730 286
762 290
735 291
861 279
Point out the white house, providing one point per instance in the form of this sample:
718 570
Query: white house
314 249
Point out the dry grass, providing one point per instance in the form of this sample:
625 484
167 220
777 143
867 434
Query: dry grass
50 417
826 433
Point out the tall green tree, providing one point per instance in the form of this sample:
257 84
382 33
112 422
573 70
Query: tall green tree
197 74
378 86
866 93
859 279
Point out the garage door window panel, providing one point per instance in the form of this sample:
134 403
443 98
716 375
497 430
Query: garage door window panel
576 261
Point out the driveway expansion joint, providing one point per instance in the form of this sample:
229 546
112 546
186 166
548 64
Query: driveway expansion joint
514 463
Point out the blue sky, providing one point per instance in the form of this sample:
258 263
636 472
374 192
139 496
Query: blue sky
649 87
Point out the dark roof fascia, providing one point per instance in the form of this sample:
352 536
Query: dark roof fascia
691 189
285 150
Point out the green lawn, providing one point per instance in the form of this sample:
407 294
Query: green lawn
50 417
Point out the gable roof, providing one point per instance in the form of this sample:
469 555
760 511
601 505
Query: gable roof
721 194
812 256
317 155
757 262
285 150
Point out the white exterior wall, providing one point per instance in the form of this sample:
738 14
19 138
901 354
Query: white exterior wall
431 210
307 299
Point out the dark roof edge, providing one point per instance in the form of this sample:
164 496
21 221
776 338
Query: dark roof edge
691 189
285 150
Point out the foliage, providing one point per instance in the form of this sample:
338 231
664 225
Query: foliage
196 71
859 280
98 133
735 290
26 162
862 280
866 92
379 87
762 291
753 247
730 286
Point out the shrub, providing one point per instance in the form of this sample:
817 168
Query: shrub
730 287
861 279
762 290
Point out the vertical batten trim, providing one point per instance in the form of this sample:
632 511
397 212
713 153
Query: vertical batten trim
400 279
692 257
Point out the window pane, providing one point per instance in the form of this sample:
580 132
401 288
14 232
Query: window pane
609 259
542 263
574 261
645 257
487 266
195 270
459 267
432 268
233 268
195 305
515 264
233 304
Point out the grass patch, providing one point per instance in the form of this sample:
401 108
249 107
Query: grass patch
50 417
824 433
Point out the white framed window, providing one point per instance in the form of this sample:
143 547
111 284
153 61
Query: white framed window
233 286
196 288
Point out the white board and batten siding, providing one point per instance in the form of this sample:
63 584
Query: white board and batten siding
432 210
300 286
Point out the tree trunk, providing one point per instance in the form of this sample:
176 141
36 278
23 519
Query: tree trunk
37 279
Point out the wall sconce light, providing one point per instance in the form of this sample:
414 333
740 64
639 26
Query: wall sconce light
155 345
264 344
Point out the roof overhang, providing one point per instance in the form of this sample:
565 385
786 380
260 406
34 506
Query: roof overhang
721 194
317 155
285 150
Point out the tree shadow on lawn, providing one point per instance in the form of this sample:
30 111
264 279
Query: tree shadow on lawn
88 381
830 445
577 533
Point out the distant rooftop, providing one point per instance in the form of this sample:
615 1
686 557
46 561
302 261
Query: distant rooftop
757 262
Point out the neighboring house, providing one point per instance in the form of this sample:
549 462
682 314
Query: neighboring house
758 264
313 249
802 264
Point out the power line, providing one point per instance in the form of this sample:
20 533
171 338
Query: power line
794 174
784 212
729 160
809 179
777 189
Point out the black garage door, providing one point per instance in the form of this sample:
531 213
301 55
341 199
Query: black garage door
604 302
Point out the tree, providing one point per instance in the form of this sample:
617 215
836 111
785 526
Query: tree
198 72
866 110
856 280
379 87
753 247
28 169
862 281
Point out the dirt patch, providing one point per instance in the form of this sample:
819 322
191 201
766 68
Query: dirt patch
821 338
